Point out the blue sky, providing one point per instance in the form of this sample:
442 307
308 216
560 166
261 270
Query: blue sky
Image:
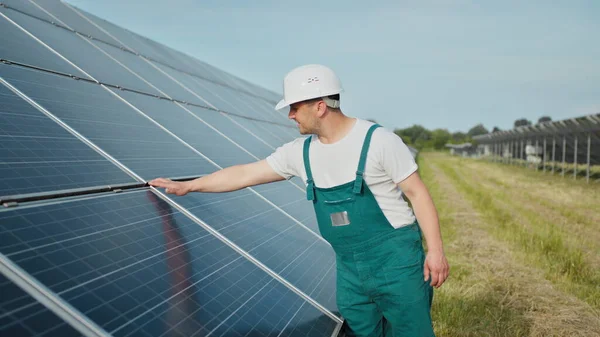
438 63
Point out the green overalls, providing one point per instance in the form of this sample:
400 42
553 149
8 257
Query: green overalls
380 286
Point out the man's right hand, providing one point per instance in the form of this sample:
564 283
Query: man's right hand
179 188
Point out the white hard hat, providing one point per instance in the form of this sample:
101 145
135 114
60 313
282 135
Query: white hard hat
308 82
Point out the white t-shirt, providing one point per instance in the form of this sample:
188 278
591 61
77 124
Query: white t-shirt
389 161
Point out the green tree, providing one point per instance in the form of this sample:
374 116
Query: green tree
544 119
414 134
459 137
477 130
439 138
522 122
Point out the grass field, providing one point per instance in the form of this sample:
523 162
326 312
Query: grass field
524 250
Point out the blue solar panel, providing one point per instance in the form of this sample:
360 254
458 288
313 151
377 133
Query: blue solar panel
81 53
131 40
259 130
273 238
268 110
130 262
149 73
62 12
26 7
22 316
17 46
226 125
191 130
292 200
109 123
217 95
136 266
38 155
276 131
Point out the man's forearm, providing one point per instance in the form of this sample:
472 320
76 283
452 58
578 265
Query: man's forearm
428 220
225 180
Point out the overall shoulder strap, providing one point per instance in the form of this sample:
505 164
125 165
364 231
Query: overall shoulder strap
363 159
310 185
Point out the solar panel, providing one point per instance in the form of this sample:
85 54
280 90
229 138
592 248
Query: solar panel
38 155
219 97
62 12
17 46
252 127
137 263
137 266
560 137
281 243
227 126
21 315
164 85
80 52
190 129
110 123
291 199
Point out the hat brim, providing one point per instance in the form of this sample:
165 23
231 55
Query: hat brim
282 104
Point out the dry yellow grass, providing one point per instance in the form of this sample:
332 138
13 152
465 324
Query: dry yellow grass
492 290
573 198
576 223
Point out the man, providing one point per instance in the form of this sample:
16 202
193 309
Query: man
356 173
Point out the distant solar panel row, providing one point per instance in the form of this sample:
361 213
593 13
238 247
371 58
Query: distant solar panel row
249 262
575 138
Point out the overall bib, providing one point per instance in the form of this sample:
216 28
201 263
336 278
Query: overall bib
380 286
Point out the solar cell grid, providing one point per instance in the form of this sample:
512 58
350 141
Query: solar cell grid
17 46
136 266
290 250
38 155
78 51
191 130
33 320
129 261
62 12
110 123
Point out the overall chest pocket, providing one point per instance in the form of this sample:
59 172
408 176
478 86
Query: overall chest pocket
338 216
342 217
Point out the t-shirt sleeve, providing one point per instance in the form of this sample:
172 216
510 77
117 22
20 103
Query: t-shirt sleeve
284 161
396 158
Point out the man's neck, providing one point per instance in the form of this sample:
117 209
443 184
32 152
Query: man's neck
335 128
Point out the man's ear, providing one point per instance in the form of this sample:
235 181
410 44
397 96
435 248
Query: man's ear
321 108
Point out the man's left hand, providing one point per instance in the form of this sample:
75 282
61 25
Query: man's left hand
436 268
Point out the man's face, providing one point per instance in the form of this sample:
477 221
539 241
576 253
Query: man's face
305 114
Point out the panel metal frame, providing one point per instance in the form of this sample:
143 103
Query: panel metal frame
49 299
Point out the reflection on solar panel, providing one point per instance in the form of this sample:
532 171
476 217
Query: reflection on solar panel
90 111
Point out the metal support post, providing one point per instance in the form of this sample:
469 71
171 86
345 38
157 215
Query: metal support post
553 152
562 173
537 166
575 160
521 152
589 150
544 156
495 152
